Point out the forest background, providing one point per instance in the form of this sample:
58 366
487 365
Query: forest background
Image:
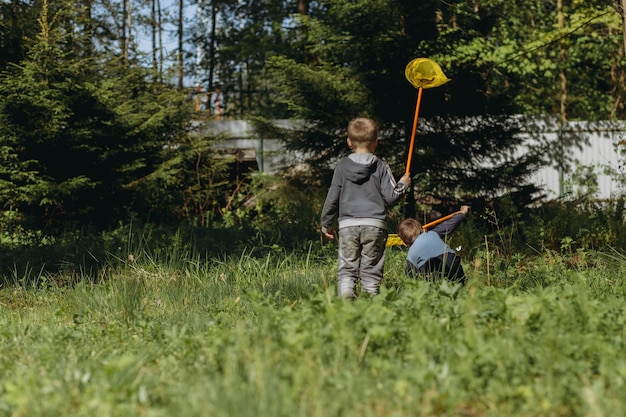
98 152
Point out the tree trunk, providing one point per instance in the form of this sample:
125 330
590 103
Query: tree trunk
72 27
154 27
123 34
563 104
126 28
618 81
623 10
212 49
160 26
14 15
89 29
303 9
180 45
563 59
620 108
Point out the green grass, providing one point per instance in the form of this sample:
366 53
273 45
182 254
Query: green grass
264 335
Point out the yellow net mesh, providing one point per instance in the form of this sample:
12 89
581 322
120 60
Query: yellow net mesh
394 240
425 73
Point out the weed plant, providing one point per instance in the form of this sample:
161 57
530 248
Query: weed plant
261 333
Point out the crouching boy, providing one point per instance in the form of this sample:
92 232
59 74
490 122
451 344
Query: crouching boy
429 256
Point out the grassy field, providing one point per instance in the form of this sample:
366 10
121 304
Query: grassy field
264 335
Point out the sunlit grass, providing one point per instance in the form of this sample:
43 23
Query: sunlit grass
263 334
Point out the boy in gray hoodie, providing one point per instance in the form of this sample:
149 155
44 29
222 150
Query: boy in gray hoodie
361 190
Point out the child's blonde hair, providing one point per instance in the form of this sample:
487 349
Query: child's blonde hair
362 130
409 230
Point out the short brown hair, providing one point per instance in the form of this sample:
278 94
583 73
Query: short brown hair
362 130
409 230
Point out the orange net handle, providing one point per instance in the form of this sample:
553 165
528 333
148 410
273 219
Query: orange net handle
412 143
443 219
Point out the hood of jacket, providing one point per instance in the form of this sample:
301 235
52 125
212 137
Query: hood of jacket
360 166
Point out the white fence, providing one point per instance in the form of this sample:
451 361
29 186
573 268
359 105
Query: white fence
593 159
589 151
268 153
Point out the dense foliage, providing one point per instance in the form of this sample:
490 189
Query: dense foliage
95 132
468 137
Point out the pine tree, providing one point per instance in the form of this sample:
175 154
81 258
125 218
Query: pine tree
76 134
466 140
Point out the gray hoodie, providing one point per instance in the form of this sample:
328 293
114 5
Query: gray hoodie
361 190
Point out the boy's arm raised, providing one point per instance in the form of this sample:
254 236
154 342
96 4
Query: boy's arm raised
448 226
